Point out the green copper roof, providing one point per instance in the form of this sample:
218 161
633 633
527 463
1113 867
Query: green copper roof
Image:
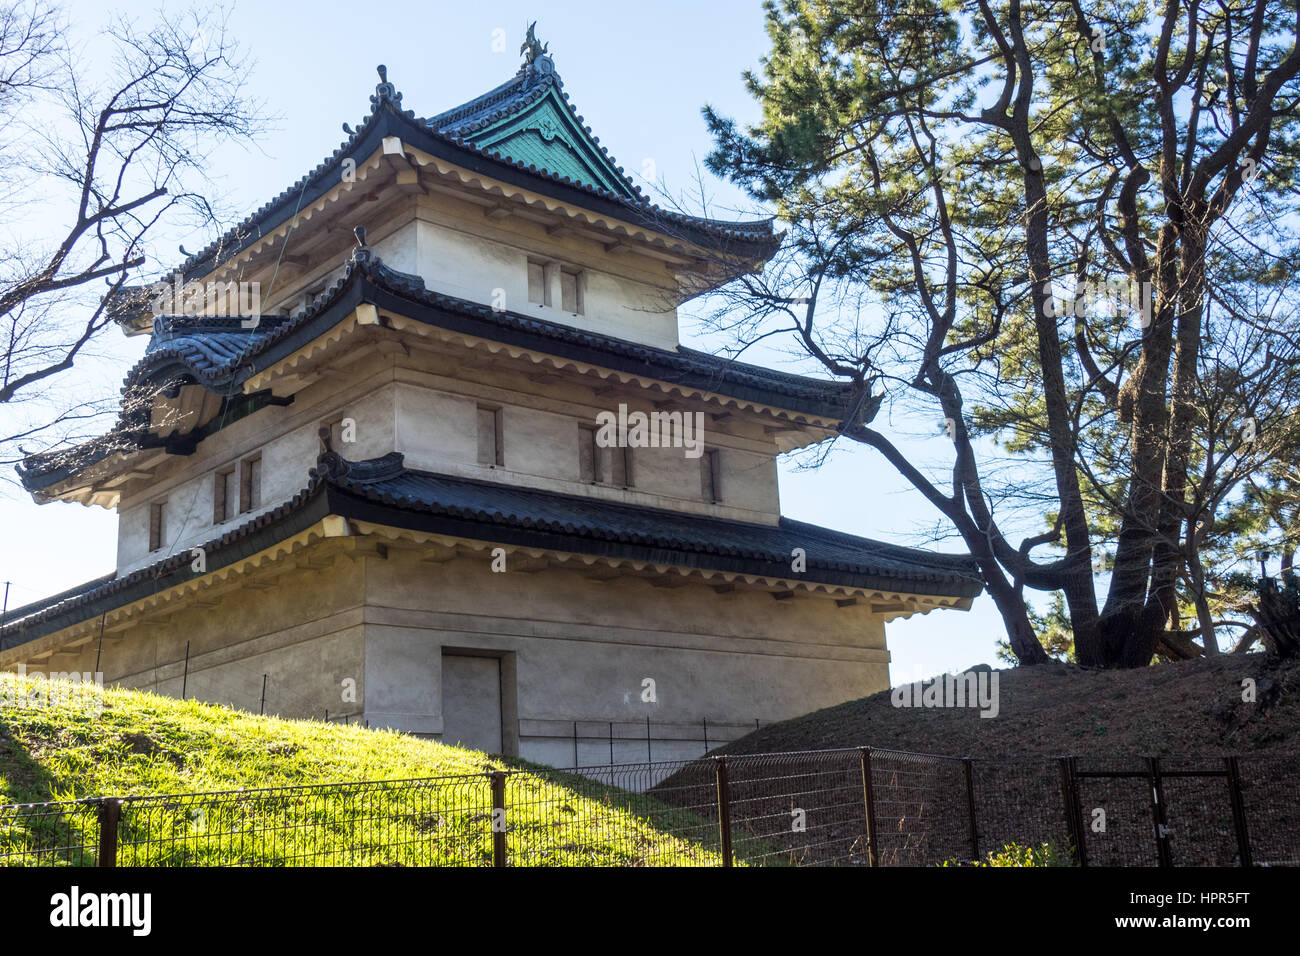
526 125
547 136
529 120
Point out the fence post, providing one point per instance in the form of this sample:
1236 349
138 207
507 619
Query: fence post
869 807
1073 811
724 809
498 817
967 764
1238 811
110 814
1163 856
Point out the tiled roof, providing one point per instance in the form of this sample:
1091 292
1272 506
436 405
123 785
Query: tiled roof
204 344
586 525
456 128
103 594
486 123
384 491
220 354
213 349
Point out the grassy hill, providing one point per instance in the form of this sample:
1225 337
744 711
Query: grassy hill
154 747
1190 709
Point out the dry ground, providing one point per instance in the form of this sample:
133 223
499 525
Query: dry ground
1190 709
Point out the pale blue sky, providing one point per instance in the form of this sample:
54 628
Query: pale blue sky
639 74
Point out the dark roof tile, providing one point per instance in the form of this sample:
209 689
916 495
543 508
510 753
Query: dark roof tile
454 126
385 491
219 354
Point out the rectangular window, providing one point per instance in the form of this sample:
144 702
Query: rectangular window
489 436
710 485
620 467
250 484
224 495
539 292
614 467
588 453
338 433
157 525
571 291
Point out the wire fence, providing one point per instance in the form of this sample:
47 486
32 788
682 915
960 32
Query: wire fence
850 807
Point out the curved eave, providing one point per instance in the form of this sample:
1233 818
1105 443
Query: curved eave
327 507
478 321
814 402
755 242
24 624
356 503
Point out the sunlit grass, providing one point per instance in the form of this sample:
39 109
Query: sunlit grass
143 745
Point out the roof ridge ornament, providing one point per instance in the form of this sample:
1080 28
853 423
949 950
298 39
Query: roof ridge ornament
537 63
362 254
329 463
385 92
332 466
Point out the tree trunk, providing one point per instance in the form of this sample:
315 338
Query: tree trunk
1130 625
1078 589
1015 618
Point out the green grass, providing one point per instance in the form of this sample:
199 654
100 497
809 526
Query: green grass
160 749
1018 855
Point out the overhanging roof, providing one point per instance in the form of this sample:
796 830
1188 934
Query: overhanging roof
525 133
384 492
219 354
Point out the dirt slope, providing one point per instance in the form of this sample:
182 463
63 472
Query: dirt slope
1188 709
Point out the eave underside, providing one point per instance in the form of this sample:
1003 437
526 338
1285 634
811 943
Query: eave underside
325 524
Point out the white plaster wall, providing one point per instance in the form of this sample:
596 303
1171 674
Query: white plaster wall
434 427
306 635
436 431
474 267
288 451
583 649
540 443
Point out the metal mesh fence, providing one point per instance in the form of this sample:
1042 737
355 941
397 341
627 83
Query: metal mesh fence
1198 811
797 809
850 807
50 834
610 816
1116 813
441 821
1271 798
1020 801
921 808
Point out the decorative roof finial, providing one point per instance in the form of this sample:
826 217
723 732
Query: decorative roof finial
363 255
329 463
532 49
385 91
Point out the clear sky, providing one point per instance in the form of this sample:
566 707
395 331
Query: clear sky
639 74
